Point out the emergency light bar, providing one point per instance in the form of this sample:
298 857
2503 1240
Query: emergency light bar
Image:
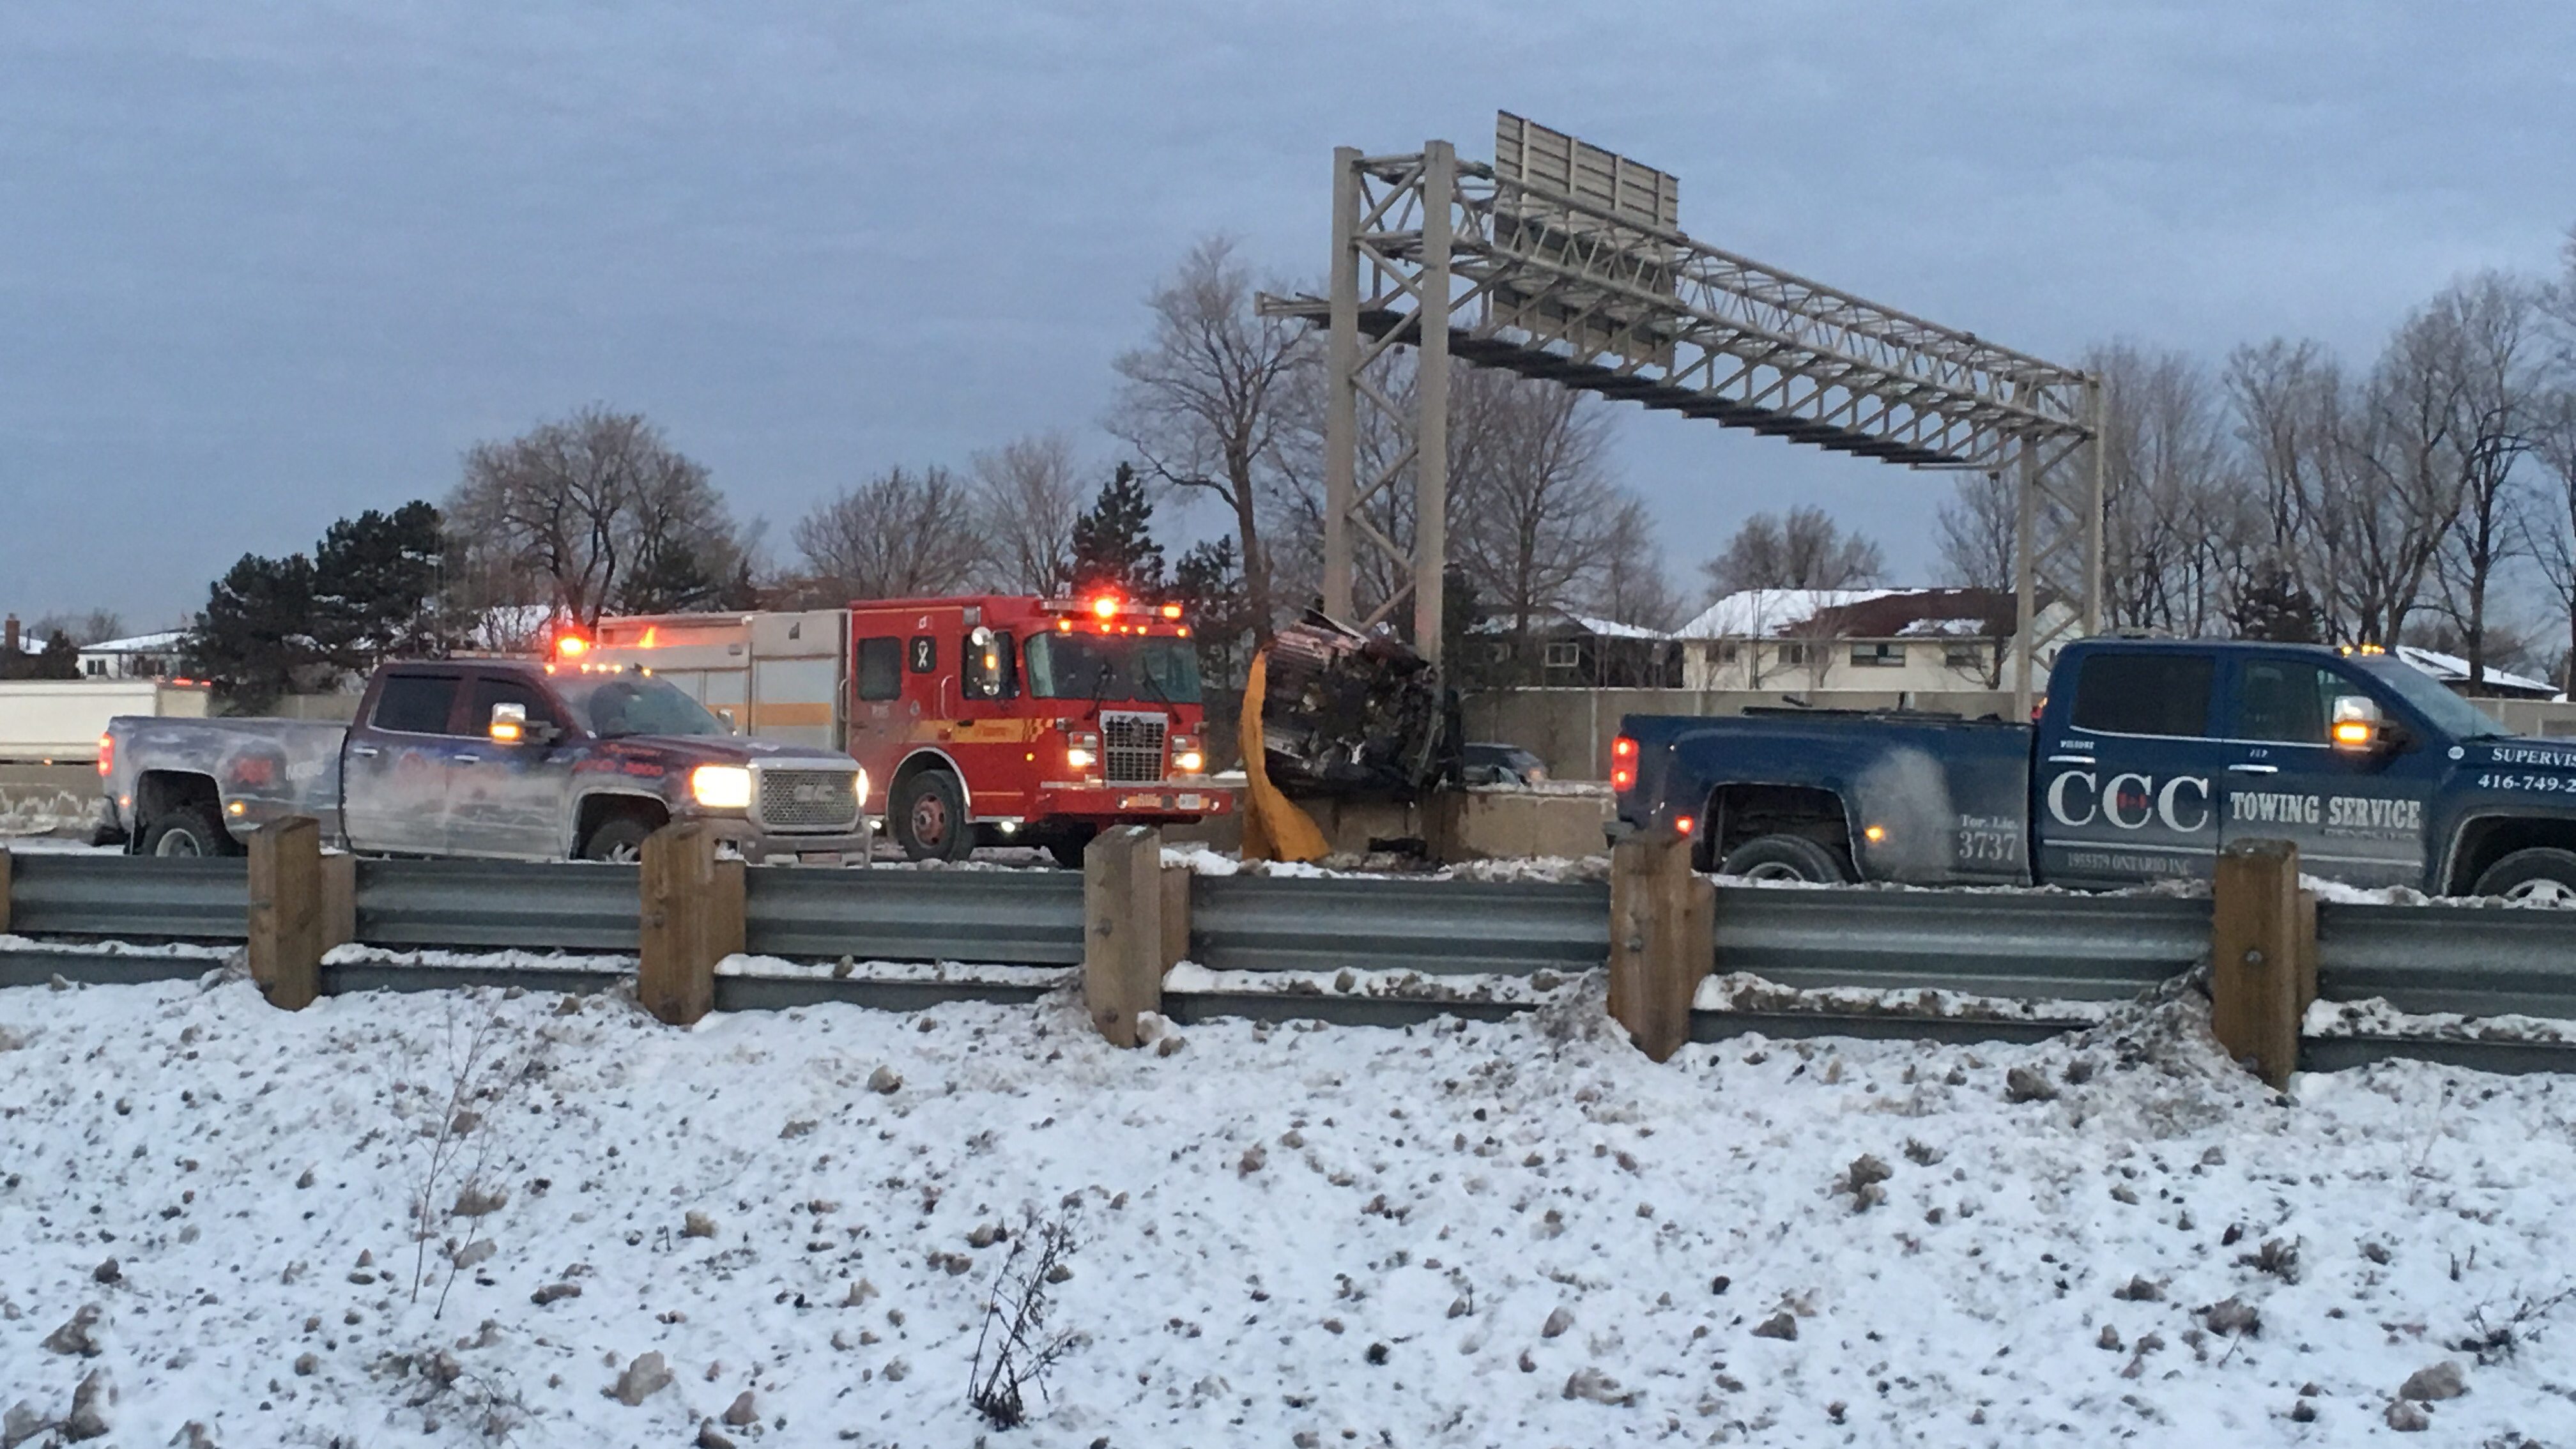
1110 606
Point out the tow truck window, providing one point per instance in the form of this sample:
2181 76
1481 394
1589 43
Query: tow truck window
2144 694
2289 701
617 705
989 672
415 704
881 668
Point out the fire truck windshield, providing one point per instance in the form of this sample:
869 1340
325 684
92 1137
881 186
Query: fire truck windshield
1092 666
616 705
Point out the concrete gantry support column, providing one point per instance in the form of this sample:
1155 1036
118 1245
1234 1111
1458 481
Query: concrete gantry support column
1663 939
691 918
2262 956
287 927
1124 944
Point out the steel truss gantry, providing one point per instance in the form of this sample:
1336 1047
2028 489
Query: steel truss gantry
1457 259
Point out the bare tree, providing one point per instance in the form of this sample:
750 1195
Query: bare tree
2552 526
2490 326
1531 506
95 627
598 507
1805 549
901 534
1030 497
1978 527
2177 525
1204 402
1631 585
2402 497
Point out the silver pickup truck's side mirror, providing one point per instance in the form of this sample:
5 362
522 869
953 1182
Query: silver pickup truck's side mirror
510 725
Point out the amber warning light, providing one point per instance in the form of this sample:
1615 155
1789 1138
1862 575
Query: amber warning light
572 646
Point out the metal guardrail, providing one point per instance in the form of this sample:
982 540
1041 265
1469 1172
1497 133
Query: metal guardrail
1437 927
145 897
2466 959
1021 918
2475 962
481 904
2059 947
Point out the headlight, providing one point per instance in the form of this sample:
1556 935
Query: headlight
721 787
861 785
1189 762
1079 758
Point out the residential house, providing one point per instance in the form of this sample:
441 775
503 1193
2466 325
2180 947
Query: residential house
1877 640
145 656
1576 651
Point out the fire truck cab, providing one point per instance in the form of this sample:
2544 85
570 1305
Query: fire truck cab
999 719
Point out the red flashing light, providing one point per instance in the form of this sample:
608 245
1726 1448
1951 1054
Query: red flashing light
106 755
572 646
1106 606
1683 824
1623 748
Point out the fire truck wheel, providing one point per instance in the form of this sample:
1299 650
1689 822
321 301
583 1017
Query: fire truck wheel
1067 848
929 818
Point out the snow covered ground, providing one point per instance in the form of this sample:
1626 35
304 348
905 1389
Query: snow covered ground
1517 1233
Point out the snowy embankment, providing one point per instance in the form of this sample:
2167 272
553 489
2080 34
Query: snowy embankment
1516 1233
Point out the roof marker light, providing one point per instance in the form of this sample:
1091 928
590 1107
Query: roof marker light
1106 606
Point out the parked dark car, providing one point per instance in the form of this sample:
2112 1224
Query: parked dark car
1491 763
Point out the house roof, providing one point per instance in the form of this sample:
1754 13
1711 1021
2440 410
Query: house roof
138 644
2452 669
1769 611
1599 628
1858 614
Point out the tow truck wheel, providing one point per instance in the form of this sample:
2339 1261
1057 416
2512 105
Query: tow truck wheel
1783 857
929 818
2542 875
188 830
619 840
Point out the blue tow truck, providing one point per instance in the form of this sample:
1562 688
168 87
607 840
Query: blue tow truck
2144 760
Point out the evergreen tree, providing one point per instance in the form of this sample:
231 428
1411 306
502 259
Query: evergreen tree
376 584
254 640
1208 584
59 659
2274 608
1113 541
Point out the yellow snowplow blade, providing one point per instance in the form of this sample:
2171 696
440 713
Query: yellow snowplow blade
1274 828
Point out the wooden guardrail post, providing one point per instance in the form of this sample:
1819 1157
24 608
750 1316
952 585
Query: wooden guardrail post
4 890
1123 940
1176 915
339 900
691 917
1663 939
2262 955
286 914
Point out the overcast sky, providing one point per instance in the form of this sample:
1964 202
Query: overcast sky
263 264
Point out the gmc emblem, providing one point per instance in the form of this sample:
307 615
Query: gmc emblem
809 794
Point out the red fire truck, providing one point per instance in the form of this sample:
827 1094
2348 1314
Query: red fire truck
985 719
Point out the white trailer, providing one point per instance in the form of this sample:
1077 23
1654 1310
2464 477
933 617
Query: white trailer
770 676
58 721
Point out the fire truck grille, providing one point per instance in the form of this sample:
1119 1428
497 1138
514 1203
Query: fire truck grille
1131 748
808 800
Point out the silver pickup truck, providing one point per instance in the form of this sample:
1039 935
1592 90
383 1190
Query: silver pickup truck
490 758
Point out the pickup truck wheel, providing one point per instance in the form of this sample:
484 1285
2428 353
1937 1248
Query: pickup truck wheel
929 818
618 840
2543 875
1783 857
186 831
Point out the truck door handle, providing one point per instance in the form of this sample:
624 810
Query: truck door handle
364 752
466 759
2253 769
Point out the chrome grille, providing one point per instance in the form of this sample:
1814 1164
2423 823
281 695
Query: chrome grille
1131 748
808 799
